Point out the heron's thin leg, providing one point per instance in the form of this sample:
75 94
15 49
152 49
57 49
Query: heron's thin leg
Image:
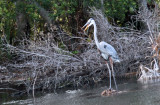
111 63
109 75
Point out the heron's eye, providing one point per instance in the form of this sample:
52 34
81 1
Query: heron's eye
105 46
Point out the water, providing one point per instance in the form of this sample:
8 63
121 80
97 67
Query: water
131 92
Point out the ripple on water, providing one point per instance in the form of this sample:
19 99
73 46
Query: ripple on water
131 93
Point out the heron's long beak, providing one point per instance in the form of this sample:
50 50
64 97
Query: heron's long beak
86 27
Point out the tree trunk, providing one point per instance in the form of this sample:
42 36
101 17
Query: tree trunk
102 6
43 13
23 26
144 9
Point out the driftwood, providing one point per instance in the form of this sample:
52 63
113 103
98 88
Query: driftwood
150 18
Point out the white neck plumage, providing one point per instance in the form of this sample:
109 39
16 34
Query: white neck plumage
95 35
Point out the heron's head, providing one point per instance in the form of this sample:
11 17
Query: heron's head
88 24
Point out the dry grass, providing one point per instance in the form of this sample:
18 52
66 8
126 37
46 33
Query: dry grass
151 20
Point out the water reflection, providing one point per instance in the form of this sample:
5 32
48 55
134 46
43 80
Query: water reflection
148 81
131 93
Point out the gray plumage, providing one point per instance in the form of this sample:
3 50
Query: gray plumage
108 50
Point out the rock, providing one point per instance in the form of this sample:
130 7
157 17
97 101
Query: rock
108 92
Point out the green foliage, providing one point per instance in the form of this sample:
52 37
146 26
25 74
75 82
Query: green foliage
9 10
7 18
69 14
118 9
75 52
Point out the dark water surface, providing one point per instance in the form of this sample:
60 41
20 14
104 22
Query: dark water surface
131 92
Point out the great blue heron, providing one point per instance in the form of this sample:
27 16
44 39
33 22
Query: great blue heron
107 51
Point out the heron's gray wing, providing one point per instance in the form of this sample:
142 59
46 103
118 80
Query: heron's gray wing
108 49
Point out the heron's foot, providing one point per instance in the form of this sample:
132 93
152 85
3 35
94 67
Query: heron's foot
110 89
108 92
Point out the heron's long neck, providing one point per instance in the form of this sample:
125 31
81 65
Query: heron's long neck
95 35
